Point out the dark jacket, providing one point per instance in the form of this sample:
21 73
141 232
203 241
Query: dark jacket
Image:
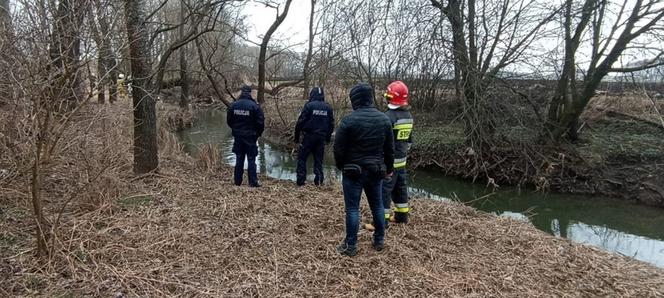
402 125
365 136
316 117
245 116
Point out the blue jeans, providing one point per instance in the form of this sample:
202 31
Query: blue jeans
311 143
371 183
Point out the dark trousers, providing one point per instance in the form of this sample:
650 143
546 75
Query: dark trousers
245 147
311 144
395 190
371 184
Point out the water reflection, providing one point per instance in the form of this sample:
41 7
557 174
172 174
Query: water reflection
614 225
617 226
642 248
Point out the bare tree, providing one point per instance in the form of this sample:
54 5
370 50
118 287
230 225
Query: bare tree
44 72
201 19
484 44
608 44
184 78
148 80
102 32
65 47
307 61
145 118
205 65
263 49
6 49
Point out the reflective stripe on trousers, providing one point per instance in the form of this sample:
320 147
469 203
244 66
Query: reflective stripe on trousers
401 207
399 163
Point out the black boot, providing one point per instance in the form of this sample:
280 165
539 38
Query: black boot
347 250
400 217
378 246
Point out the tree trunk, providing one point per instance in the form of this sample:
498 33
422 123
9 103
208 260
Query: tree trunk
211 79
263 51
307 61
42 231
145 119
5 17
6 50
184 79
101 87
65 49
107 53
571 100
38 209
477 114
106 63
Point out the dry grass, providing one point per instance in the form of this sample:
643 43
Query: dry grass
174 117
209 157
634 104
186 233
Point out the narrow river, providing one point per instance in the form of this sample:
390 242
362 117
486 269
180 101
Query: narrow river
632 230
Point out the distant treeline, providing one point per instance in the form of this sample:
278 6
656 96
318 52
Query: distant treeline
610 87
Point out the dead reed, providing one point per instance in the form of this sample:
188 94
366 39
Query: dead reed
183 232
208 157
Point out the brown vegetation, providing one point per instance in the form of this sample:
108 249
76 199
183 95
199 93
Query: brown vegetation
619 156
189 232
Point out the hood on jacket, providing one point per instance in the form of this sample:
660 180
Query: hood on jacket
361 95
317 94
245 93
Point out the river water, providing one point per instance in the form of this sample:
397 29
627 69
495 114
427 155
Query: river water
614 225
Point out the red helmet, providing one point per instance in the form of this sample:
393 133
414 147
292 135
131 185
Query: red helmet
397 93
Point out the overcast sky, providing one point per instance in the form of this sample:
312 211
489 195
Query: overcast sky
294 28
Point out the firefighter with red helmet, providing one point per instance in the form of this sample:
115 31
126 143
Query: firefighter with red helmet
395 188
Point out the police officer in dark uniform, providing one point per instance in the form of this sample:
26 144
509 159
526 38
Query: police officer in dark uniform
246 119
364 151
316 121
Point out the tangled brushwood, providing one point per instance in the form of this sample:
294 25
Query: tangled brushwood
187 231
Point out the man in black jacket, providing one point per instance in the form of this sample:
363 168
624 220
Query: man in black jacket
364 151
246 119
317 122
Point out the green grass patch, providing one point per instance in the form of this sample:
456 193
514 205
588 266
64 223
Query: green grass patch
437 136
135 201
626 139
7 212
7 240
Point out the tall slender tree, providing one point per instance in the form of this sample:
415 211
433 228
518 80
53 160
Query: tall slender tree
101 29
184 77
145 118
65 48
6 49
307 60
263 49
